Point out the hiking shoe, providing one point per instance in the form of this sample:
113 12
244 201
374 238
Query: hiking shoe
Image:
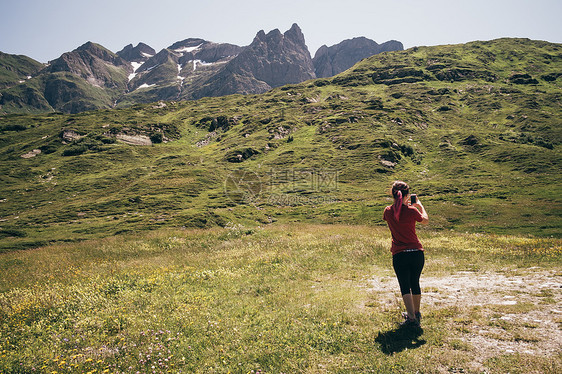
418 316
407 319
410 323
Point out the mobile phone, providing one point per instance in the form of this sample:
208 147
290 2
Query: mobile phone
413 198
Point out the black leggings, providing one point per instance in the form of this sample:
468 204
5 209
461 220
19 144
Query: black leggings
408 267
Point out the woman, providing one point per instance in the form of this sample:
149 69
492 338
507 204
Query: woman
407 251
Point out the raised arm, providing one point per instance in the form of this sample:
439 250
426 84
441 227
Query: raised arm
420 207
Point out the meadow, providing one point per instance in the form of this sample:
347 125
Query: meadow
244 234
296 298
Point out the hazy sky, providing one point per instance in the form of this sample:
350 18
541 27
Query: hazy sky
44 29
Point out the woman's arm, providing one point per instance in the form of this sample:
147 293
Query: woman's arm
424 215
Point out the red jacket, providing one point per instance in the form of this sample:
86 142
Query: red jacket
404 230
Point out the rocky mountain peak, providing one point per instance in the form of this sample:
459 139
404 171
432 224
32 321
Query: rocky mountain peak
141 52
329 61
295 34
276 58
86 59
273 36
260 35
98 51
271 60
158 59
89 46
391 45
188 44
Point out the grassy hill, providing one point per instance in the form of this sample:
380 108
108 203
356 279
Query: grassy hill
16 68
474 128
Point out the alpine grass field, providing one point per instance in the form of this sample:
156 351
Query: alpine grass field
282 299
244 233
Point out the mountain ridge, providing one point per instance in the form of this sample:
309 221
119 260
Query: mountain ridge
189 69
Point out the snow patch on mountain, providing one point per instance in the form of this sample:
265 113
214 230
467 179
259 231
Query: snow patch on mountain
145 86
179 76
187 49
135 65
199 62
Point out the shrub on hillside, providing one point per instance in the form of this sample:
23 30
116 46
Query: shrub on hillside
156 137
75 150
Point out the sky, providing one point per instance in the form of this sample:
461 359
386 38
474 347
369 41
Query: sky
45 29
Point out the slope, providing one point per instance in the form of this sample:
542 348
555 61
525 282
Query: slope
474 128
15 69
90 77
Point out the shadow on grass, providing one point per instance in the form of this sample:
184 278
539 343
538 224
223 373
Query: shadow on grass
399 339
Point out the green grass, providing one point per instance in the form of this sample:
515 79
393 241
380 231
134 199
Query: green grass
286 298
16 68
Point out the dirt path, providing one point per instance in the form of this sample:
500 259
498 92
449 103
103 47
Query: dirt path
498 313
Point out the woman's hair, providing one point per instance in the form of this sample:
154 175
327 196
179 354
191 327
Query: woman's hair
399 190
